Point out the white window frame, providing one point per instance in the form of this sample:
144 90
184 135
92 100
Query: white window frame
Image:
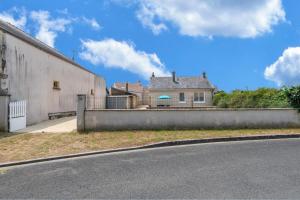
199 95
183 96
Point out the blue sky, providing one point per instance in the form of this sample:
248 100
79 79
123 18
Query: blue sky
239 43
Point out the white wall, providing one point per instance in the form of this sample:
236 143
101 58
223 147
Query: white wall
31 73
190 119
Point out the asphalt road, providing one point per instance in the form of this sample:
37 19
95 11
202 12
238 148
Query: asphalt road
254 169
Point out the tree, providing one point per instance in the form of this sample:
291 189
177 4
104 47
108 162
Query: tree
293 95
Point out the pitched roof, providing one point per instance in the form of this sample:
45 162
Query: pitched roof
18 33
132 87
118 92
181 83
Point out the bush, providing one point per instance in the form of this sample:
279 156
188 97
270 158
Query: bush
293 96
260 98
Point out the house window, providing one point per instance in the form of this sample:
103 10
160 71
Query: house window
181 97
92 92
199 97
56 85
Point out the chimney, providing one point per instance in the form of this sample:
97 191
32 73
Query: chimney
204 75
126 86
174 76
153 75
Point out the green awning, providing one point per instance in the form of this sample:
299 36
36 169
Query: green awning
164 97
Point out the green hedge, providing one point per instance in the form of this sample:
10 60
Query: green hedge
293 96
260 98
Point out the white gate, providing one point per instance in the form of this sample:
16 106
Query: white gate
17 115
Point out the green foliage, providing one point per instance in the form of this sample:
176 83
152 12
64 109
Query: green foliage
260 98
293 96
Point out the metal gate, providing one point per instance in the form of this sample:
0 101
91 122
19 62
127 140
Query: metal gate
17 115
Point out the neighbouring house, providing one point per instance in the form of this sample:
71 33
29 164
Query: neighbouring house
134 88
48 81
180 92
136 96
121 99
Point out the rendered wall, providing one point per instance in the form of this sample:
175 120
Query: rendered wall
31 73
190 119
174 101
4 101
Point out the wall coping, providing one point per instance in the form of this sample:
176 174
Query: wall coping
194 109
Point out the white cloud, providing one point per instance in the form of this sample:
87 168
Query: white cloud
92 23
9 17
48 28
121 54
147 17
229 18
286 70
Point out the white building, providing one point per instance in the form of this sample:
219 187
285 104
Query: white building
49 81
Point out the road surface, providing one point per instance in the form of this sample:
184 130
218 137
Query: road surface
254 169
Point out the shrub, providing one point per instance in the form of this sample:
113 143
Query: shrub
293 96
260 98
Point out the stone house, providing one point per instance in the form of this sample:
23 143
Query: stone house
48 81
180 92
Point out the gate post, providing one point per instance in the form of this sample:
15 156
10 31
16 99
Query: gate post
4 112
81 106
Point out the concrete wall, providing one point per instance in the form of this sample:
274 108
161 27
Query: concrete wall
4 102
174 101
3 71
190 119
31 72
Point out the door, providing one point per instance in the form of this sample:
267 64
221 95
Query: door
17 115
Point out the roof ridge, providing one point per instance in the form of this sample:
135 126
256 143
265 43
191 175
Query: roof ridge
28 38
183 82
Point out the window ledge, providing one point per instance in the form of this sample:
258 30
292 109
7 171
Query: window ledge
199 101
182 101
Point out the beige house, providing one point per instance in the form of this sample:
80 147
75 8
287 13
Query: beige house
47 80
180 92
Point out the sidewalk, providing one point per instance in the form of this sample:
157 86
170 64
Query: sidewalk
62 125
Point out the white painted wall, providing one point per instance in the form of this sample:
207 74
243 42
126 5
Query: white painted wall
31 72
98 120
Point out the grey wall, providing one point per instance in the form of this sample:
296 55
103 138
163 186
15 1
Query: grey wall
31 72
81 106
190 119
4 101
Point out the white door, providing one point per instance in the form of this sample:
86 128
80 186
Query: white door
17 115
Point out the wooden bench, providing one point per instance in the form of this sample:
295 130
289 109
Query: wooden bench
61 114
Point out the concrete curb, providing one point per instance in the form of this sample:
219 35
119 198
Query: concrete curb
156 145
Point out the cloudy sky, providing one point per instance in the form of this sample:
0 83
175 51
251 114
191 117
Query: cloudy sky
239 43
